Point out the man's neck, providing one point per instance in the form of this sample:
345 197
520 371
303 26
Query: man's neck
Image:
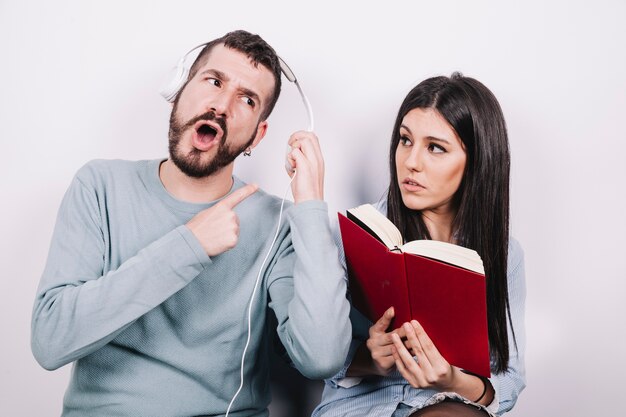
195 190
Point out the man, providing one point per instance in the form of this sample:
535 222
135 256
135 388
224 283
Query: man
153 263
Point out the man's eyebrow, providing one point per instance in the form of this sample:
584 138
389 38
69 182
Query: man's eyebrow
436 139
216 73
223 77
254 96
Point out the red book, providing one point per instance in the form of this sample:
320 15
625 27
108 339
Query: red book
449 301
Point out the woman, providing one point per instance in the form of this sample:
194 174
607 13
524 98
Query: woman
449 163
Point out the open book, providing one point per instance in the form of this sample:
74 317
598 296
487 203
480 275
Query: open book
441 285
379 226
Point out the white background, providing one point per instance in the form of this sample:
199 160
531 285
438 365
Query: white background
80 81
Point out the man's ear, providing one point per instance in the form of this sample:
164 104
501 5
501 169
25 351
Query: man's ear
260 133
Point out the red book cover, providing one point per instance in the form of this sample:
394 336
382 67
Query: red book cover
448 301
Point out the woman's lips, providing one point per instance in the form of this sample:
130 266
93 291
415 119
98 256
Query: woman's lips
412 186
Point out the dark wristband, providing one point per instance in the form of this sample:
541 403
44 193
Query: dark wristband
482 378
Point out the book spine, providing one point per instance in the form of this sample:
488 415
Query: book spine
402 303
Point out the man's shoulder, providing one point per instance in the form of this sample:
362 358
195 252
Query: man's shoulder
271 199
107 170
113 165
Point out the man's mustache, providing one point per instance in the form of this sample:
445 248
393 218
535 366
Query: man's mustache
210 115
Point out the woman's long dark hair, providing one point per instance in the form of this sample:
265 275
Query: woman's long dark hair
482 200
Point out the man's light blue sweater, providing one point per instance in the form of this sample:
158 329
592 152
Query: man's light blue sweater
154 326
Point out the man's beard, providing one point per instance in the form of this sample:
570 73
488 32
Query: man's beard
192 164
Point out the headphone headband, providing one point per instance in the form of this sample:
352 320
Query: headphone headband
181 73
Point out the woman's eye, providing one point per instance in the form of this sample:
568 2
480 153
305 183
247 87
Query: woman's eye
405 141
434 148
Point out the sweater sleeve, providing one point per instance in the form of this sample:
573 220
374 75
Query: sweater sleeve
360 334
509 384
307 288
78 306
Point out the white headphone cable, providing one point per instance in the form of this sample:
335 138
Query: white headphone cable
256 284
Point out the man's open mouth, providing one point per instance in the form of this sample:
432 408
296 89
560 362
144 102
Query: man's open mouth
206 133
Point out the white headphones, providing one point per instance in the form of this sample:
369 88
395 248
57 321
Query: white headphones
181 72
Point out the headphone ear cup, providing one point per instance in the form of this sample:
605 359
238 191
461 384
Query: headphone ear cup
171 89
179 77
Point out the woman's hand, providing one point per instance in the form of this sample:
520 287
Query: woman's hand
426 368
422 366
375 356
380 345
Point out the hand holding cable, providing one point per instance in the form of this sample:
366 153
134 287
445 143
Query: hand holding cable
306 157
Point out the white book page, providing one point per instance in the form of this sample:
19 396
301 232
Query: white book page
380 224
446 252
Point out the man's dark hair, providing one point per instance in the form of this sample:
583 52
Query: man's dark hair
255 48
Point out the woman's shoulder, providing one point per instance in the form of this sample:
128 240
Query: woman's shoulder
516 255
515 248
381 205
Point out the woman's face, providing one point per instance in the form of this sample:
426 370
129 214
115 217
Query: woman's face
430 160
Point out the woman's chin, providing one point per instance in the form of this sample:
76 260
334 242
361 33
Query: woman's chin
413 202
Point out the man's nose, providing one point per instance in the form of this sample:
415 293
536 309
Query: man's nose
220 103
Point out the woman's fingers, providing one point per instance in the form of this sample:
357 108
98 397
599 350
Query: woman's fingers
380 344
418 359
426 343
416 347
436 371
405 363
382 324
